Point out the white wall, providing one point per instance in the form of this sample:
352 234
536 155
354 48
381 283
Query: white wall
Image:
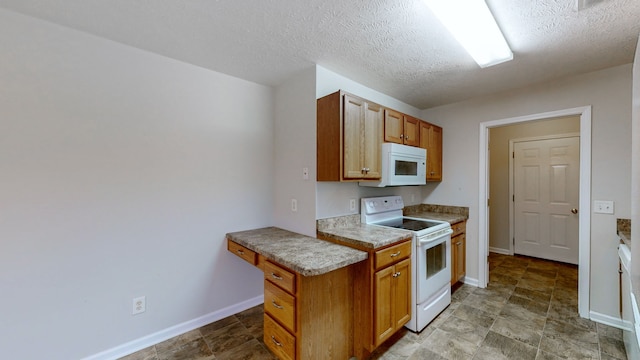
333 197
499 170
635 176
121 172
295 139
609 92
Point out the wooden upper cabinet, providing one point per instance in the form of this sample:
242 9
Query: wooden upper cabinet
372 141
411 131
431 139
400 128
353 155
393 126
349 138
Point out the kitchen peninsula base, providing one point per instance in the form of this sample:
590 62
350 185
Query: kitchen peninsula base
305 317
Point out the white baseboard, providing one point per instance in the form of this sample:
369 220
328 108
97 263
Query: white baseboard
470 281
162 335
499 251
608 320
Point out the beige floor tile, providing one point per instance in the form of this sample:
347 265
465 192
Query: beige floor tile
144 354
252 350
612 347
463 328
527 333
227 338
178 341
500 347
194 350
449 346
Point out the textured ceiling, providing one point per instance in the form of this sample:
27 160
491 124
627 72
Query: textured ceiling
394 46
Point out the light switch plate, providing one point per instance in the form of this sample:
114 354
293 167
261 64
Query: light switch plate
603 207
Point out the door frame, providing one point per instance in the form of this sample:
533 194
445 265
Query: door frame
512 214
584 217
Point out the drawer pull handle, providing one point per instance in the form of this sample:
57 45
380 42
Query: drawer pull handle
395 254
275 305
459 243
273 338
276 276
240 252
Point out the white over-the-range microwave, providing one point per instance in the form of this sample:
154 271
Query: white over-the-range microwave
402 165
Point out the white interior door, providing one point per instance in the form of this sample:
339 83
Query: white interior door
546 193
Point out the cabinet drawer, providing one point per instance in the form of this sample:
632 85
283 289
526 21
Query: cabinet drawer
278 340
280 305
249 256
458 228
392 254
280 276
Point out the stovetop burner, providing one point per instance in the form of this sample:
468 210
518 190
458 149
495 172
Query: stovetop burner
409 224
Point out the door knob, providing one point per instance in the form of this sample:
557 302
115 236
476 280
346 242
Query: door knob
574 211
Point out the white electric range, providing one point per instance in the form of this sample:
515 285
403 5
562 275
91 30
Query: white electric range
430 258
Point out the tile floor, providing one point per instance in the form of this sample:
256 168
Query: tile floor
528 311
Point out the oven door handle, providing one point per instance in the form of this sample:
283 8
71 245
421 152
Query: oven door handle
429 239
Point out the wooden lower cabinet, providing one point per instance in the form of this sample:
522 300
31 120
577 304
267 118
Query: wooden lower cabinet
279 340
382 294
306 317
458 252
392 299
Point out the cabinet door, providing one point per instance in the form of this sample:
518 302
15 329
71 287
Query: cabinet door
383 325
411 131
402 293
393 126
454 261
434 162
431 139
459 243
353 129
372 141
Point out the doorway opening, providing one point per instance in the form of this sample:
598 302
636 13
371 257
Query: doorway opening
583 116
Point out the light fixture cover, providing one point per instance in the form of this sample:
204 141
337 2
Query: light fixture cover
473 25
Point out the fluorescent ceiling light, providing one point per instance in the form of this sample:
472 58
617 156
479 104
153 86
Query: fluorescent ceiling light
473 25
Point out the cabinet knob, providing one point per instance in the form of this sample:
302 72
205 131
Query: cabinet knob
395 275
401 136
240 252
433 172
407 137
574 211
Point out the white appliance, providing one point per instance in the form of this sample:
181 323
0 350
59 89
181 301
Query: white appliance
401 165
430 258
630 334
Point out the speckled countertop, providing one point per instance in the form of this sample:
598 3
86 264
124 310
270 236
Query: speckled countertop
366 236
303 254
451 218
348 229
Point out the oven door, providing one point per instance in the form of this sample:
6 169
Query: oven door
433 265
